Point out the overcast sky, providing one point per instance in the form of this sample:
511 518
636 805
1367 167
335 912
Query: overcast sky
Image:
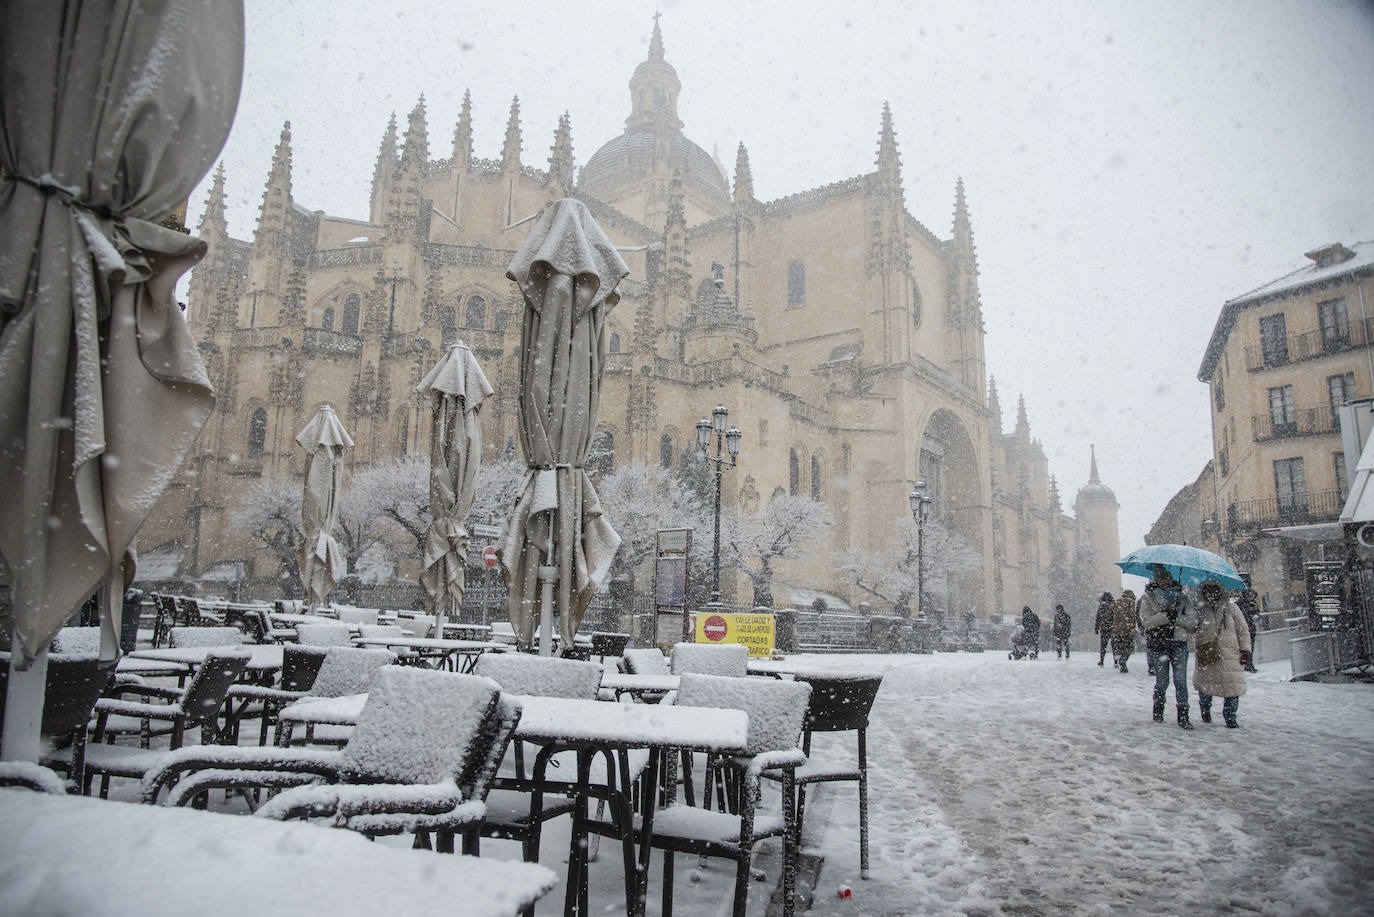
1128 167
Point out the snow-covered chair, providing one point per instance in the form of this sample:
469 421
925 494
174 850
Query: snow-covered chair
73 685
776 711
838 704
350 614
29 776
85 641
730 659
344 670
420 760
324 633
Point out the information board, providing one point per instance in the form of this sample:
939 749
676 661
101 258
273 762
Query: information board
756 631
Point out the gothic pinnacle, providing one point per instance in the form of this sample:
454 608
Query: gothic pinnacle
462 133
510 150
561 155
656 42
416 150
744 177
212 220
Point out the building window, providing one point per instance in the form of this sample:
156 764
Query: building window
327 320
1335 324
405 434
1219 392
1342 481
1290 487
476 312
846 452
615 342
1274 339
257 434
1283 415
448 326
665 452
350 313
793 472
815 477
1340 389
796 284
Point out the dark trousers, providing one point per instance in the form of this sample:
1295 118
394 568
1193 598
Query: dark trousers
1061 646
1106 642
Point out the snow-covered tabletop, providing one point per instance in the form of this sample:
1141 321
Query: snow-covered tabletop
64 855
266 657
286 617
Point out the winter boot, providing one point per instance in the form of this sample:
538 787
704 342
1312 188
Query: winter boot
1183 717
1159 710
1231 723
1206 714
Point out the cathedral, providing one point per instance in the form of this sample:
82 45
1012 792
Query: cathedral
844 336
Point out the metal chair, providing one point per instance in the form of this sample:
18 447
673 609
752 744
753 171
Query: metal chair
73 685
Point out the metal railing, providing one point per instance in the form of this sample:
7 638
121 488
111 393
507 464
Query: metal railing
1308 345
1298 509
1307 421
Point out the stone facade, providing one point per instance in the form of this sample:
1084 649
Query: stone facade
845 337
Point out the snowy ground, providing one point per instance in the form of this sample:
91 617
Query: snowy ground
1042 787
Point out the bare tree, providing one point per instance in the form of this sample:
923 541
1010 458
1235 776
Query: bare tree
891 572
397 492
786 528
498 487
270 511
641 499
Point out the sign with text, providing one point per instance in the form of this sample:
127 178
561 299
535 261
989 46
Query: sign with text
755 631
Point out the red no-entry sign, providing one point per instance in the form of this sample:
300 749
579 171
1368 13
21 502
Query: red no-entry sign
489 558
714 628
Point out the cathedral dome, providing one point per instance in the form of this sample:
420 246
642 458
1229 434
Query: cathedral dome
1095 491
629 157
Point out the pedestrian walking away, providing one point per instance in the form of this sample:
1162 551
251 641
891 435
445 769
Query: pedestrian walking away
1102 626
1063 625
1030 626
1123 628
1223 651
1248 602
1169 621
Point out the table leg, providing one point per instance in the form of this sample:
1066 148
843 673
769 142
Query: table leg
648 802
575 900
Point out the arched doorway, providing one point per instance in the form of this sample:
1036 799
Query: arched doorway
950 468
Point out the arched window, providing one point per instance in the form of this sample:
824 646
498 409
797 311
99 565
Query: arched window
448 323
793 472
327 320
601 456
350 313
257 433
665 452
615 342
476 314
845 453
815 477
796 284
405 434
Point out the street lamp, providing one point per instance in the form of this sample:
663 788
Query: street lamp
731 438
920 509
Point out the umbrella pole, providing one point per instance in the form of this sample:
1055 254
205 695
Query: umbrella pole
24 709
548 572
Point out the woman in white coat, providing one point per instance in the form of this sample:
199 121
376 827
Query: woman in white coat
1220 673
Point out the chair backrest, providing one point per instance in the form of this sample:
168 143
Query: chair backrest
351 615
646 662
523 673
82 641
349 670
205 636
325 633
730 659
839 704
418 624
300 665
74 683
495 738
380 630
776 708
286 606
205 694
608 644
418 726
502 632
187 610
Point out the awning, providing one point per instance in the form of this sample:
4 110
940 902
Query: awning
1359 506
1318 531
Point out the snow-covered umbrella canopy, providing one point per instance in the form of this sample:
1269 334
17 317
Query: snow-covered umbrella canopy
456 387
322 558
111 112
567 271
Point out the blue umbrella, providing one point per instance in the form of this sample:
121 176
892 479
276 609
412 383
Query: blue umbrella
1190 566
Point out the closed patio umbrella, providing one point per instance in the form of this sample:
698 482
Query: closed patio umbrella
322 558
456 387
110 112
567 271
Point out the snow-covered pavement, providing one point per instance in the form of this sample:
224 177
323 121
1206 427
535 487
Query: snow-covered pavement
1043 787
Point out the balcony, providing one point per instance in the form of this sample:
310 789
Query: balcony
1310 421
317 340
1299 509
1309 345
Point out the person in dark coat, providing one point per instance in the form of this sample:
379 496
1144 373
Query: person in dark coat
1102 626
1030 624
1248 603
1063 625
1123 628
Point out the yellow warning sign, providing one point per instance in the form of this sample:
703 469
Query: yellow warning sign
753 630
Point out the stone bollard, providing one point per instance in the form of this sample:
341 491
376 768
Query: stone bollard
785 624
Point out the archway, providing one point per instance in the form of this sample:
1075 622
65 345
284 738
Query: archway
950 468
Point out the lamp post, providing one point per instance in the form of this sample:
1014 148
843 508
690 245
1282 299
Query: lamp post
920 509
730 438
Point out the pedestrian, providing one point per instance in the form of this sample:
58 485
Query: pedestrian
1102 626
1248 602
1169 621
1223 650
1063 625
1123 628
1140 628
1030 625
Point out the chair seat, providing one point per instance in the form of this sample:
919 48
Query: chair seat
124 725
322 734
817 770
150 667
511 808
688 823
115 760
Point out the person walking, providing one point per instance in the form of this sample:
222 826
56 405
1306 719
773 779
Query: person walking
1102 626
1248 602
1169 621
1123 628
1030 625
1063 625
1223 651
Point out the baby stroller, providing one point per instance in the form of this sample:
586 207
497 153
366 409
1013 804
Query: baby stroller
1022 645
